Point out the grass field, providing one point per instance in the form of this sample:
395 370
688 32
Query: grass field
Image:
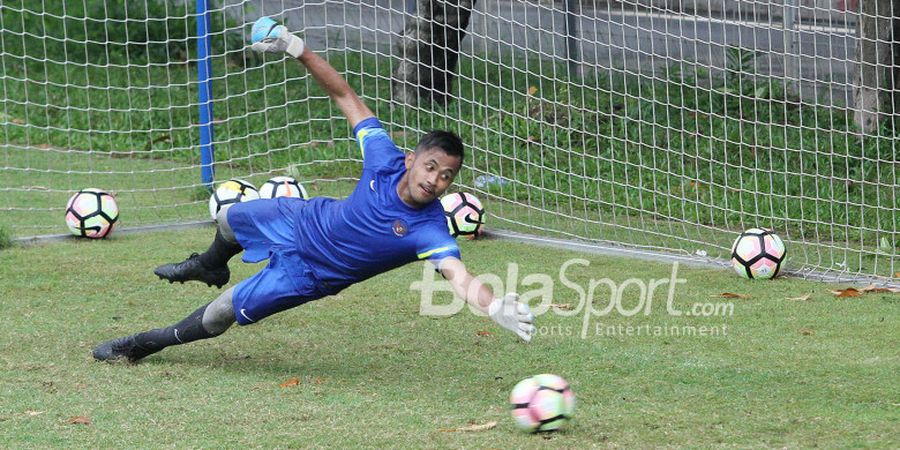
372 372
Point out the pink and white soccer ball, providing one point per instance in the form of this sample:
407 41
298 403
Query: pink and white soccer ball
465 215
758 254
91 213
230 192
282 187
542 403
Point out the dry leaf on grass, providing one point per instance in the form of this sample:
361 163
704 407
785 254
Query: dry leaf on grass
482 333
471 427
806 331
878 289
532 90
801 298
849 292
562 306
79 420
730 295
292 381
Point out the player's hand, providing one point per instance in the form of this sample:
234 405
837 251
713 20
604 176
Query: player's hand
513 315
270 37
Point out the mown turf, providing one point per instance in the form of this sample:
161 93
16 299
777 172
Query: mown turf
373 372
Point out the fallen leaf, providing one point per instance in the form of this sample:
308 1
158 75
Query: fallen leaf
897 275
470 427
878 290
318 380
801 298
849 292
730 295
563 306
292 381
806 331
482 333
79 420
532 90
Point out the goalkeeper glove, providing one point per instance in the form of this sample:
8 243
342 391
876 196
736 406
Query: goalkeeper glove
270 37
513 315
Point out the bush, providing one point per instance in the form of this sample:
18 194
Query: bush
5 238
133 32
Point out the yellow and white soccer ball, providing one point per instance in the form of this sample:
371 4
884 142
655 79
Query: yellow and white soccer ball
230 192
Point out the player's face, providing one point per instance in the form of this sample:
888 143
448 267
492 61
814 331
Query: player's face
430 173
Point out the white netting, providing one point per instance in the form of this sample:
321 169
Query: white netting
627 122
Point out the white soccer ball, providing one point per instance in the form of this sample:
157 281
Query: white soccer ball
542 403
758 254
231 192
465 215
91 213
282 187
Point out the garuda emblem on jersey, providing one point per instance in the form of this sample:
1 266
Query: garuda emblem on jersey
400 228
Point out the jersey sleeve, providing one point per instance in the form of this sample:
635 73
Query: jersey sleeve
436 245
377 148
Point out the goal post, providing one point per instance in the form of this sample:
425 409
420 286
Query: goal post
204 91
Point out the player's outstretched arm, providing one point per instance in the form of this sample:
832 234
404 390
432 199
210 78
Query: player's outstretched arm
270 37
507 311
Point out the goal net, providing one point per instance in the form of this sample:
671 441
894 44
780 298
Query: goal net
626 123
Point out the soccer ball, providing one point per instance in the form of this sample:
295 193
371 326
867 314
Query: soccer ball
465 215
757 254
282 187
91 213
231 192
542 403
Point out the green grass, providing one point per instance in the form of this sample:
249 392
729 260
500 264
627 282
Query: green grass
5 239
374 373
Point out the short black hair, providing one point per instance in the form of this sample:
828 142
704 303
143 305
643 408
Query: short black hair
447 141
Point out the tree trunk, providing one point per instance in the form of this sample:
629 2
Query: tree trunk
429 50
879 58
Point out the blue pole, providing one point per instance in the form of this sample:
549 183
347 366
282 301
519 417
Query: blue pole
204 88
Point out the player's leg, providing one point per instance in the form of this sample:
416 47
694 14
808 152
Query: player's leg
208 321
211 266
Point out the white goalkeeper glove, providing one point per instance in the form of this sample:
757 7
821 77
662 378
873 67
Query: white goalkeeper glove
270 37
513 315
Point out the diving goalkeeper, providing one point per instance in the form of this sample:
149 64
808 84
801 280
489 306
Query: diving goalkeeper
320 246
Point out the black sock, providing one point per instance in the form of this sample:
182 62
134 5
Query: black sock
219 252
188 330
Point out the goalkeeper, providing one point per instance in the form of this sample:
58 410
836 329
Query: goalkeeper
318 247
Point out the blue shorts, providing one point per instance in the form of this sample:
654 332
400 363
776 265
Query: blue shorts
265 228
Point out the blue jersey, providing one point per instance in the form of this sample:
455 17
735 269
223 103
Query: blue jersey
373 230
